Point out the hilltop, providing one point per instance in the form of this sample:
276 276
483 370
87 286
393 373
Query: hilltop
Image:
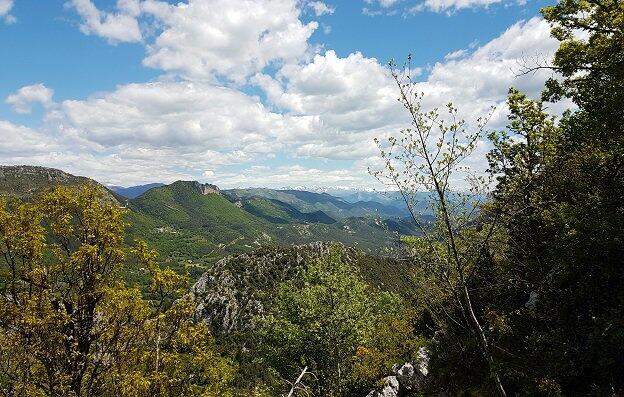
193 225
23 181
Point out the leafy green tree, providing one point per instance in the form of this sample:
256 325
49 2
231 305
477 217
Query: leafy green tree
68 324
327 328
591 60
428 156
564 234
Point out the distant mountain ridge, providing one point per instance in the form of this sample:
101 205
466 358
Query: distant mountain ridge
134 191
193 225
336 203
335 207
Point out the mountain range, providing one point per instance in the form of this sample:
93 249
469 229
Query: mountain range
193 225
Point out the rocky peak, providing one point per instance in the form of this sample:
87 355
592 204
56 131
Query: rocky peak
51 174
24 181
203 188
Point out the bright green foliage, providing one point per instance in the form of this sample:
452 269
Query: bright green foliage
276 211
331 322
556 308
192 230
523 151
68 324
591 62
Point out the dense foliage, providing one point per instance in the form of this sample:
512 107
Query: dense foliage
341 334
519 294
69 326
550 288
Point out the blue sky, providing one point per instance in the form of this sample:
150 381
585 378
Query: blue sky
244 93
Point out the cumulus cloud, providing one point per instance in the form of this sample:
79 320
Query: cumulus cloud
120 26
24 141
347 94
202 39
481 79
321 8
293 176
180 114
354 98
22 100
322 107
5 11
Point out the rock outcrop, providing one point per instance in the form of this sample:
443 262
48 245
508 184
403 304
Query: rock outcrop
408 378
202 188
26 181
391 388
238 288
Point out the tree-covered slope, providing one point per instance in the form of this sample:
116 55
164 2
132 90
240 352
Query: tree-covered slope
308 202
238 287
276 211
26 181
186 205
134 191
193 225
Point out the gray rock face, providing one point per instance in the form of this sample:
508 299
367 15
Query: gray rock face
423 361
207 188
237 288
390 388
409 377
50 174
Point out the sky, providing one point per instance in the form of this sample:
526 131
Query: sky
263 93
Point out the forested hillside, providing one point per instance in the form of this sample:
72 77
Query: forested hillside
193 225
510 283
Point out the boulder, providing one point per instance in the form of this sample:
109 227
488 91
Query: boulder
409 377
389 389
412 376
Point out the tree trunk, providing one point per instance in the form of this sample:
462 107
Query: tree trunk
484 344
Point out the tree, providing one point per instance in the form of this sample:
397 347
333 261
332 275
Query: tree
590 59
68 323
427 157
564 230
335 330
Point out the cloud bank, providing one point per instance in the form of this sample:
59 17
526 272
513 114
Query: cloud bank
243 88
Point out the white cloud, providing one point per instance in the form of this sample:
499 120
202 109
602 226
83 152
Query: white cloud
382 3
321 8
347 94
21 101
181 115
5 11
293 175
22 141
121 26
171 114
205 39
450 6
456 54
202 39
326 107
482 79
354 98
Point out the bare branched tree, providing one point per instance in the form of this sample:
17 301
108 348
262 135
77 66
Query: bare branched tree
425 162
